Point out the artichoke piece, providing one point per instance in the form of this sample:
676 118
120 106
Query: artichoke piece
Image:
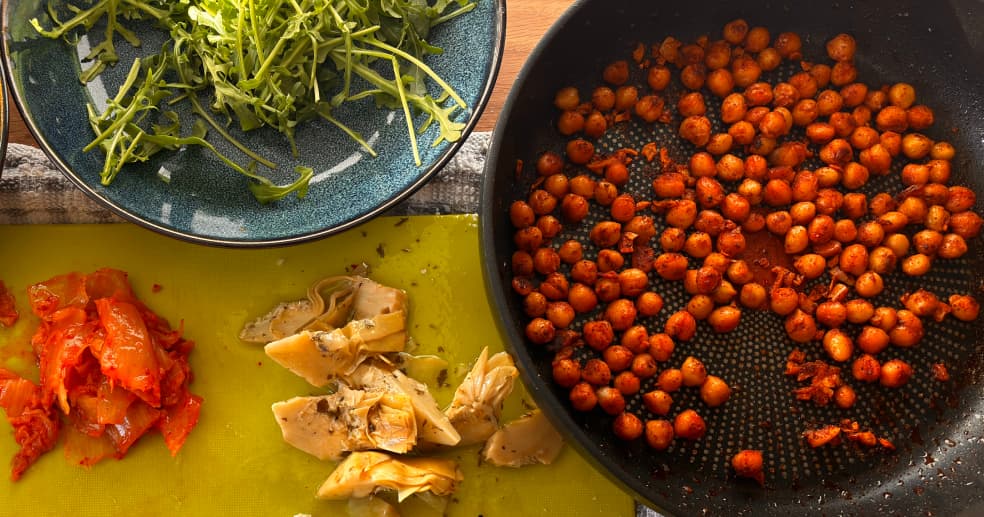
349 420
363 473
331 303
371 507
528 440
319 357
433 426
477 402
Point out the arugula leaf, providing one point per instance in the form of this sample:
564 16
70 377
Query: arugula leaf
273 63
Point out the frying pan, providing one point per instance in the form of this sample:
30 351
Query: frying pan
937 427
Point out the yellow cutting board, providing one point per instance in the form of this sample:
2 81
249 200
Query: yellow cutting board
235 462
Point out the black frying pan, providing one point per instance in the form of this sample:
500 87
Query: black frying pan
938 427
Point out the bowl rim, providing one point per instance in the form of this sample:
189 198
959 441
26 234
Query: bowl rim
6 66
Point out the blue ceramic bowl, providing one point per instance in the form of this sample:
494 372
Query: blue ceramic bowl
205 201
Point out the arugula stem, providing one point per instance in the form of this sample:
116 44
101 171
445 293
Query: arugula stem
437 79
454 14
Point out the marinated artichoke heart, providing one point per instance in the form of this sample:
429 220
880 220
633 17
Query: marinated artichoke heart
348 298
525 441
348 420
364 473
319 356
433 426
477 402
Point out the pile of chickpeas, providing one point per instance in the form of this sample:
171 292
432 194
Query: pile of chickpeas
752 179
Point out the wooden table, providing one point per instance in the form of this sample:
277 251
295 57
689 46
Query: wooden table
527 21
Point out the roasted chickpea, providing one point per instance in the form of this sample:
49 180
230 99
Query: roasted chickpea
574 208
627 426
546 261
745 71
725 318
585 272
540 331
828 201
570 122
810 265
621 313
670 380
720 81
779 222
696 130
837 152
855 206
710 222
583 185
659 434
964 307
866 368
960 199
915 209
626 97
627 383
736 207
820 132
902 95
583 397
582 298
658 402
845 230
580 151
598 335
927 242
872 340
869 284
735 31
881 261
671 266
769 59
845 397
633 281
821 74
783 300
843 73
644 366
859 311
916 265
522 263
841 47
796 240
777 193
658 78
616 73
661 347
921 117
821 229
700 306
805 112
831 313
801 327
940 150
521 214
838 345
566 372
595 124
753 296
908 330
617 174
698 245
895 373
892 118
605 234
607 287
714 391
693 76
733 108
953 246
965 224
884 318
549 226
870 234
610 400
603 98
689 425
881 204
759 94
649 108
681 325
623 208
649 304
528 239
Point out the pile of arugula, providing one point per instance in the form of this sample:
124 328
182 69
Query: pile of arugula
265 63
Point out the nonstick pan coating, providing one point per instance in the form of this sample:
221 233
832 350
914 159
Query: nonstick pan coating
937 427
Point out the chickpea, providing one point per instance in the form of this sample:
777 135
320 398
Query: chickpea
884 318
895 373
696 130
779 222
759 94
689 425
598 334
866 368
698 245
940 150
820 132
659 434
882 260
521 214
838 345
707 279
710 222
762 145
546 261
681 326
783 300
555 286
714 391
733 108
574 208
805 112
915 209
540 331
720 81
837 152
876 158
671 266
748 463
916 265
603 98
644 366
627 383
570 122
831 313
658 402
670 380
725 293
796 240
649 108
755 114
855 206
735 31
566 372
964 307
658 77
672 239
753 295
522 263
902 95
801 327
724 319
649 304
580 151
623 208
769 59
869 284
821 229
841 47
621 313
626 97
583 185
549 226
810 265
821 74
739 272
892 118
616 73
772 125
582 298
605 234
842 123
855 176
921 117
870 234
777 193
736 207
845 397
745 71
965 224
582 397
542 202
892 142
953 246
829 201
908 330
881 204
627 426
528 239
535 304
595 124
756 167
661 347
859 311
617 174
843 73
585 272
845 230
927 242
872 340
710 192
731 243
610 400
567 99
921 302
960 199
